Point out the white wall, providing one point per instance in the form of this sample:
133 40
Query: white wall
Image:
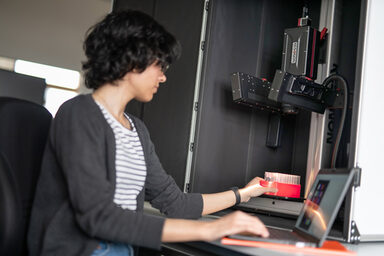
48 31
369 207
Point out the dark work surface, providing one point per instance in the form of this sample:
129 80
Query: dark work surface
175 249
267 219
216 248
286 222
190 249
201 249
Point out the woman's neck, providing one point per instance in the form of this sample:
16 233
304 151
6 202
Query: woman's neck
114 100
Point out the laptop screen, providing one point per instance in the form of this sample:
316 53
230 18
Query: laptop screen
323 202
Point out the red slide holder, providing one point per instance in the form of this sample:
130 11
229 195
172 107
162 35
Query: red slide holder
284 189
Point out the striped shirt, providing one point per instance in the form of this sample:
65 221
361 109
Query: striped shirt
131 169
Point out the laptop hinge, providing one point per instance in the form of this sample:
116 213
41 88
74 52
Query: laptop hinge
355 234
306 236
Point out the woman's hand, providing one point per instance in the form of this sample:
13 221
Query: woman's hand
235 223
219 201
179 230
254 189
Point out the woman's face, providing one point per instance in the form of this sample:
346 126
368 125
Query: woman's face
145 84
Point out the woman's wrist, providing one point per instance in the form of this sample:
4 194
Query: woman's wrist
244 195
207 230
237 195
192 230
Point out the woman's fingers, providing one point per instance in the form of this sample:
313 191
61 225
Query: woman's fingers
270 189
254 181
238 222
254 191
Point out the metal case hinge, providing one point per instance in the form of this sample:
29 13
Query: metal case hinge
355 234
202 45
191 146
357 178
187 187
196 107
207 5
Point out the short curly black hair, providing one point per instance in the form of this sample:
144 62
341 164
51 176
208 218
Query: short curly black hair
124 41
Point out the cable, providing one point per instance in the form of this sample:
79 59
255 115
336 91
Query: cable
343 82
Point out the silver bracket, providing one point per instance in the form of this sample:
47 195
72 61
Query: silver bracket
357 178
207 5
191 146
202 45
196 107
355 234
187 188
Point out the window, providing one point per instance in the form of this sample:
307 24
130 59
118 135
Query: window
62 84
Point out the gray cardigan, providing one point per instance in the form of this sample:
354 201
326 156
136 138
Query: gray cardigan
74 209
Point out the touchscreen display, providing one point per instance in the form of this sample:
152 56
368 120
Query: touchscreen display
321 204
313 211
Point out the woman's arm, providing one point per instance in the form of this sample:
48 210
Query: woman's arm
219 201
178 230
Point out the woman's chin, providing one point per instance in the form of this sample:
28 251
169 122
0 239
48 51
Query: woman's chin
145 100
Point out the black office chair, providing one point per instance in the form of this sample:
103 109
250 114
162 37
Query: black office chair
24 129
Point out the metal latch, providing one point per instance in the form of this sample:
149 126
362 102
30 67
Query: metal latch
357 178
355 234
191 146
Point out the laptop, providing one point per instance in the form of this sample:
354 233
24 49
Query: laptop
318 213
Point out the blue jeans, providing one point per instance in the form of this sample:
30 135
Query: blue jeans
113 249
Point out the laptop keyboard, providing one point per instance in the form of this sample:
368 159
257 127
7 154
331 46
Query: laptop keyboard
284 235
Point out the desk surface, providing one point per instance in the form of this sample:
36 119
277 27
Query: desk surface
216 248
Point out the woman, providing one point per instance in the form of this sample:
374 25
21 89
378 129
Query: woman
100 164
